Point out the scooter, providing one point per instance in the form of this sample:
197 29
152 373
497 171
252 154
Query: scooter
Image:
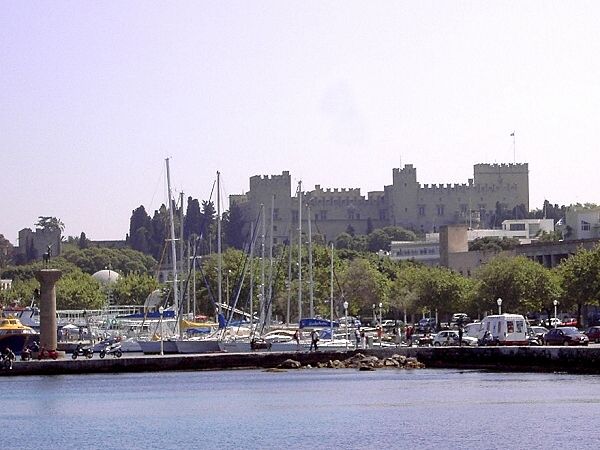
112 349
26 354
7 361
88 352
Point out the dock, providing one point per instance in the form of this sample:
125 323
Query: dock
585 360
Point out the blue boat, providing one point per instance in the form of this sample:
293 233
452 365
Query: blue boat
317 323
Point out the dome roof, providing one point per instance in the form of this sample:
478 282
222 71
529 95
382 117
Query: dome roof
106 276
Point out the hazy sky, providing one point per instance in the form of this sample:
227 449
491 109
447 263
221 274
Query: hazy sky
94 96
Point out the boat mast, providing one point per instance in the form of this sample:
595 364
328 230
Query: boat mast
251 268
219 257
173 249
331 293
181 247
262 267
269 297
289 280
310 265
299 250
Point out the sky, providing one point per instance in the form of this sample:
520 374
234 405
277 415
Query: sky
95 95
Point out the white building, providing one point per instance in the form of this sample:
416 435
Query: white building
528 228
428 251
582 223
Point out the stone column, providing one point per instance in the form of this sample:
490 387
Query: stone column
48 279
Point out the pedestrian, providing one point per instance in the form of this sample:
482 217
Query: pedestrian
297 338
460 335
409 332
357 337
314 339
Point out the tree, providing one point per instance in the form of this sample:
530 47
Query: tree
378 240
139 230
363 285
78 290
522 284
133 289
580 279
47 223
400 234
126 261
83 242
193 221
233 227
369 226
493 243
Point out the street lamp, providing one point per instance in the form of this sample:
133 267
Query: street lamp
374 316
555 313
499 301
346 317
380 325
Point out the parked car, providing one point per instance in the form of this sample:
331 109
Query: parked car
459 319
593 334
450 337
426 324
539 332
565 336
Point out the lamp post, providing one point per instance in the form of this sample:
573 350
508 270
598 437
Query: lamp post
555 313
380 325
161 310
499 301
346 317
374 316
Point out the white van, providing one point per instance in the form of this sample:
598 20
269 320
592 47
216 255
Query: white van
505 329
472 329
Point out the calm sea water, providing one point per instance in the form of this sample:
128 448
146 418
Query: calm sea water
318 408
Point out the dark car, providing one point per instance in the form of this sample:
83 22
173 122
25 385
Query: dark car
565 336
593 334
427 324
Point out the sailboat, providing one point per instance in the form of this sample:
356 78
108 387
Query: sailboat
177 343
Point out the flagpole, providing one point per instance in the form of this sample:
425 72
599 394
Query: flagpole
514 148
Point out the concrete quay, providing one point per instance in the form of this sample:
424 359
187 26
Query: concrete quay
506 359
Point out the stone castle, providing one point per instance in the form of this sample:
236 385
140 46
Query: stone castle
405 203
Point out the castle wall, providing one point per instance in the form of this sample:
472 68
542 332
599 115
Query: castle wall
404 203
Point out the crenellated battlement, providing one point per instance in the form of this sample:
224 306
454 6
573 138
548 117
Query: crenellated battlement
269 180
501 167
320 191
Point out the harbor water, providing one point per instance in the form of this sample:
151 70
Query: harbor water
309 408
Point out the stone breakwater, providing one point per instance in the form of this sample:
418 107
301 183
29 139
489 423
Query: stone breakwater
358 361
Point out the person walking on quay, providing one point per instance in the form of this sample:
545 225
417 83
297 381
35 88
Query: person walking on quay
314 339
460 335
363 339
409 332
357 337
297 338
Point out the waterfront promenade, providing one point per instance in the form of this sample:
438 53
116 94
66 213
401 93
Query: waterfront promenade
526 359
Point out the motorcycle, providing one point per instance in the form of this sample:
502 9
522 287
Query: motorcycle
88 352
26 354
112 349
7 360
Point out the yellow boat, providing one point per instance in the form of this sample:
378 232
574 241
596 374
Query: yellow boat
15 335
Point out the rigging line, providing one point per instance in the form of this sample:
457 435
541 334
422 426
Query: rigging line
203 226
269 301
337 281
159 182
241 275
